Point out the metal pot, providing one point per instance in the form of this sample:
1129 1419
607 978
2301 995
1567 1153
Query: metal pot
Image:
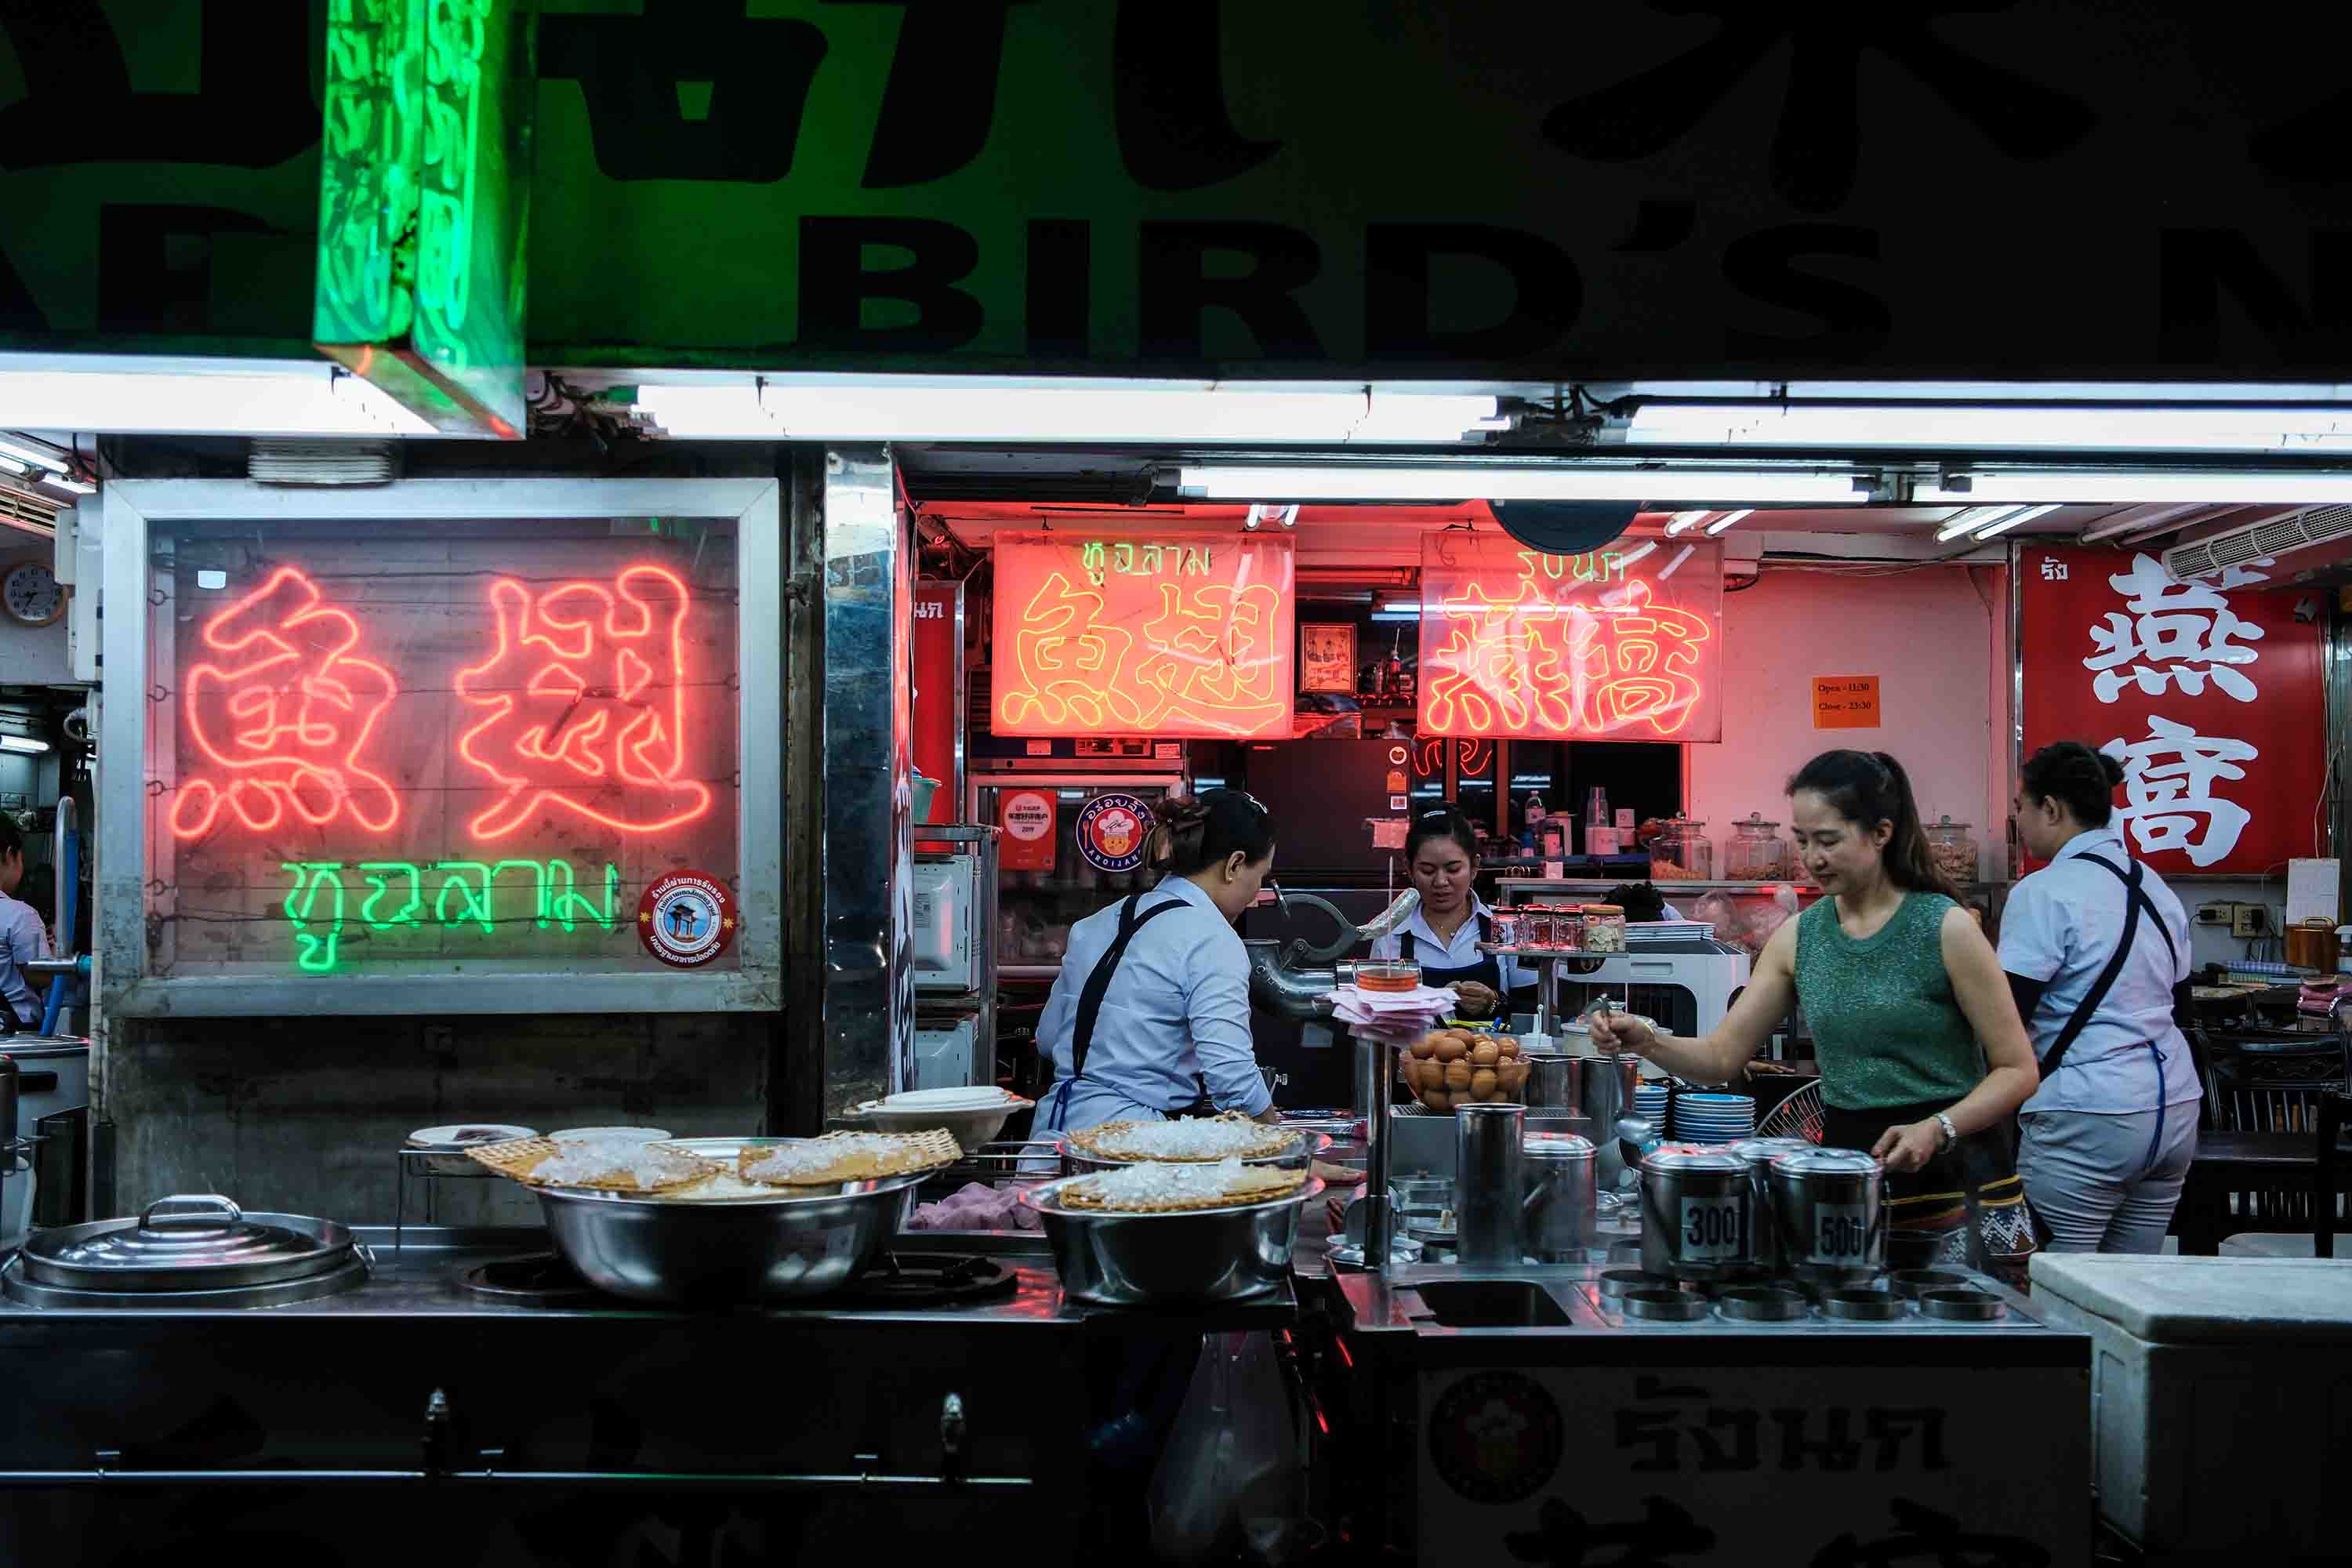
1695 1209
1190 1258
721 1254
1831 1207
1608 1094
191 1249
1560 1212
1555 1082
1760 1153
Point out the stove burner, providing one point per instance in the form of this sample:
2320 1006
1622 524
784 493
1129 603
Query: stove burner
929 1281
528 1279
1618 1281
1669 1306
1864 1306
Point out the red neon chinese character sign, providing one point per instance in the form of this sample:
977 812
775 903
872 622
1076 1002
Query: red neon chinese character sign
1180 635
1618 643
583 705
284 718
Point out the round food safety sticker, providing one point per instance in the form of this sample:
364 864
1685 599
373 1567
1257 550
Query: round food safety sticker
686 919
1496 1436
1114 832
1028 816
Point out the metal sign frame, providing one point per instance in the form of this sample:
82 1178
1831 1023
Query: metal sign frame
133 507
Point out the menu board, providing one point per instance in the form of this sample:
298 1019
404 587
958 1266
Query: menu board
442 748
1176 634
1618 643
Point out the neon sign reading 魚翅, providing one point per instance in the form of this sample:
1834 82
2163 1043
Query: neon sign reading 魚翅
452 895
1516 642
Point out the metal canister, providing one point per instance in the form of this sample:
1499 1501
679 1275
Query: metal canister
1555 1082
1487 1187
1760 1153
1562 1198
1694 1214
1831 1207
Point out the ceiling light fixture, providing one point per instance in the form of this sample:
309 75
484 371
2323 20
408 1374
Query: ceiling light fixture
917 411
1466 481
24 746
2017 519
1626 561
1717 529
1967 520
2131 518
2121 488
25 452
2246 428
1681 523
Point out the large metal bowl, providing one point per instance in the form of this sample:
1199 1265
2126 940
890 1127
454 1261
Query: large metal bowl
1077 1162
747 1250
1188 1259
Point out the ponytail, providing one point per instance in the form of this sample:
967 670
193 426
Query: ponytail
1196 832
1871 787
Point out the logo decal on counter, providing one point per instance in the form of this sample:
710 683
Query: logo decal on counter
686 919
1495 1437
1115 832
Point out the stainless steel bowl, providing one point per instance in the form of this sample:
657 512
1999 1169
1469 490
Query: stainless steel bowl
1189 1258
1310 1145
747 1250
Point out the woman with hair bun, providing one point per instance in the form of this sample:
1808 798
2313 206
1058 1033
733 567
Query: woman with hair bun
1150 1016
2096 949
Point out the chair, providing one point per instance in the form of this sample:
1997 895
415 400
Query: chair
2333 1112
2260 1079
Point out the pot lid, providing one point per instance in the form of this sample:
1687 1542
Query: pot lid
1692 1157
1764 1151
178 1242
1557 1146
1829 1163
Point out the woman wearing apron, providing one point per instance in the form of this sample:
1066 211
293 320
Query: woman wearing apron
1440 852
1150 1016
2095 946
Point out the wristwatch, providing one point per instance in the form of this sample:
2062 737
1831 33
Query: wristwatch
1951 1133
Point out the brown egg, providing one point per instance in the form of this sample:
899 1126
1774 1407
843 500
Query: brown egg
1510 1044
1457 1074
1436 1099
1452 1048
1459 1098
1486 1055
1484 1084
1513 1074
1425 1047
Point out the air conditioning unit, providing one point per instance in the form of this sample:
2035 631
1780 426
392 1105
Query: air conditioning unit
2319 535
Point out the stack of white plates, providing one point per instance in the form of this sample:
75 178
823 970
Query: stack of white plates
1714 1117
1670 931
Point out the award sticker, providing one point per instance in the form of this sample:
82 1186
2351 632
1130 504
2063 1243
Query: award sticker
686 919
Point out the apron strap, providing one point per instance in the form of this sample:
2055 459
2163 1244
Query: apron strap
1090 1000
2134 901
1407 948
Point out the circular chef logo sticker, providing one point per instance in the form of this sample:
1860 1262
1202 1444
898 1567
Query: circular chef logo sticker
686 919
1114 831
1028 816
1495 1437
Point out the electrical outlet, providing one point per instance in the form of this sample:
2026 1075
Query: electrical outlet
2250 920
2216 914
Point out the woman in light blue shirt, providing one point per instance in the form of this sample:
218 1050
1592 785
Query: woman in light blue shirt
2095 947
1150 1016
1443 934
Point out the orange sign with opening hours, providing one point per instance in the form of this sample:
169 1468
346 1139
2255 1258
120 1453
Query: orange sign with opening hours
1177 634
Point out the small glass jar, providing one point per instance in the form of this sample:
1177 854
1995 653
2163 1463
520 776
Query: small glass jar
1955 853
1535 928
1756 852
1604 929
1510 928
1683 853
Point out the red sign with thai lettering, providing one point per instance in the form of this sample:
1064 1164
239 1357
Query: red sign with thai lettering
2209 694
1179 634
1621 643
936 655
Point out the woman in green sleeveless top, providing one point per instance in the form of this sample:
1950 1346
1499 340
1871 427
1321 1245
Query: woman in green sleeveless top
1923 1057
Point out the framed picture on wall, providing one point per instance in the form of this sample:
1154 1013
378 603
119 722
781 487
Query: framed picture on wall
1327 656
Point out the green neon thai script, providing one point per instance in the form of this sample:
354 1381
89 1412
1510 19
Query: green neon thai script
462 894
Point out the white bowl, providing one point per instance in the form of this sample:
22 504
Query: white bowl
449 1145
970 1116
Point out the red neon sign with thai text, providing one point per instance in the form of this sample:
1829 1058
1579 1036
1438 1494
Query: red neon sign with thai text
1622 643
285 717
1173 634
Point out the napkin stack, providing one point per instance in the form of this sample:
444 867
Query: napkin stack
1401 1016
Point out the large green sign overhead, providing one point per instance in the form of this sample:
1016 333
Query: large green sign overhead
1422 187
423 203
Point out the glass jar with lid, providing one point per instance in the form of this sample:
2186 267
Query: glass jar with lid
1683 852
1756 852
1604 928
1955 853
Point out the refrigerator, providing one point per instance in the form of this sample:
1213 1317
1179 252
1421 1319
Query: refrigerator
1073 837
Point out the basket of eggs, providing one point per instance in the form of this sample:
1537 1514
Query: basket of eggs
1447 1068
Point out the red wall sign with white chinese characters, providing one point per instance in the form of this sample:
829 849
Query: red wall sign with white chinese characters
1177 634
936 653
1619 643
446 752
2210 692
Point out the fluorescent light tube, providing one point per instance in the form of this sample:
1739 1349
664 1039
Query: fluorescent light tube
1400 607
1716 527
284 398
1480 482
1647 547
79 487
2021 516
2118 488
23 743
1681 523
984 412
11 466
2253 427
1969 519
20 452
